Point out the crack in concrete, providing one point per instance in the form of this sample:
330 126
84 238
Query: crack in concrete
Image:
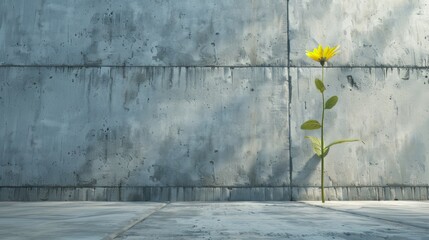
367 216
118 233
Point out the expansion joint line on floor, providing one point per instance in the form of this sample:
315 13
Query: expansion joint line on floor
133 223
367 216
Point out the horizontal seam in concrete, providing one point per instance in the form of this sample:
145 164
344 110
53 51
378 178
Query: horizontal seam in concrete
139 66
363 66
137 221
209 66
285 186
362 186
364 215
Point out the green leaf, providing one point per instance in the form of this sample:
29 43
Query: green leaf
316 143
342 141
319 85
325 152
331 102
311 125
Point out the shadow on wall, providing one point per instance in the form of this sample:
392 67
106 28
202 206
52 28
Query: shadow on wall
160 126
395 152
310 169
197 127
308 173
148 127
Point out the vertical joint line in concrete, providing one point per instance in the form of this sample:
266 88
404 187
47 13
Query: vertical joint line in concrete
289 101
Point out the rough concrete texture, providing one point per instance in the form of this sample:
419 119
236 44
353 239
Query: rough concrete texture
156 194
384 107
244 220
410 213
370 32
144 126
162 194
149 32
70 220
165 100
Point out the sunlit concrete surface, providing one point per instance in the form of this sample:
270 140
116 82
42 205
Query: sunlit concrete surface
69 220
405 212
165 100
214 220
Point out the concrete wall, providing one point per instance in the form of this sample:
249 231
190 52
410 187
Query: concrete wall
191 100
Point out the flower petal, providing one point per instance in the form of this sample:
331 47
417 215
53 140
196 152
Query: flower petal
329 54
313 56
320 51
322 54
332 52
325 52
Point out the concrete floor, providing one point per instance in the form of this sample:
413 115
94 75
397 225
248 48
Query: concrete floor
216 220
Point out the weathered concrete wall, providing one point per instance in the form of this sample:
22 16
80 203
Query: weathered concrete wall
148 33
385 107
371 33
381 78
144 126
190 100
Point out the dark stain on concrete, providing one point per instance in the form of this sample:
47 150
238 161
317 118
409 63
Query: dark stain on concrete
352 82
168 55
133 88
109 147
407 75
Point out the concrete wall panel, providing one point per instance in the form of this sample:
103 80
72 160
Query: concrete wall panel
191 100
370 32
144 126
385 107
148 33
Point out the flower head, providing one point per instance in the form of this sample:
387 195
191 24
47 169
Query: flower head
322 55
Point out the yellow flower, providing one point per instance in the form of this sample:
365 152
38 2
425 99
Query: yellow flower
321 54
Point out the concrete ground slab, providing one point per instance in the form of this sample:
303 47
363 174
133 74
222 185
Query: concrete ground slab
69 220
402 212
214 220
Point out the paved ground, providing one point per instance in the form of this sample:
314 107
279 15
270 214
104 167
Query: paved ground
218 220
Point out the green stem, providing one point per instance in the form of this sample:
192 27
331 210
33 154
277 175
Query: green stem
321 137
